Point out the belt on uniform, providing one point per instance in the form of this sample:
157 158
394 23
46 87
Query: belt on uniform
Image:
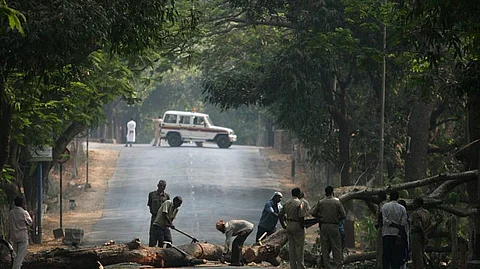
293 220
336 223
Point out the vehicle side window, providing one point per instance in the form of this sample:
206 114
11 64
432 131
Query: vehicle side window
198 121
170 118
184 120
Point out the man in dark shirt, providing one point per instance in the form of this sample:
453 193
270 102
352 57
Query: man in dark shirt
269 219
155 200
421 225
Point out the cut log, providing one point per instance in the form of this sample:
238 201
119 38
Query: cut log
269 249
88 258
135 252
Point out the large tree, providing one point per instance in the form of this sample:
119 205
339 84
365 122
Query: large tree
448 31
59 38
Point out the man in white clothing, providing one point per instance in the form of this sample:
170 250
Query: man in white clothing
394 223
239 228
131 125
19 222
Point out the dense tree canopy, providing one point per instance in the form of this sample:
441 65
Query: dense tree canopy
314 66
66 61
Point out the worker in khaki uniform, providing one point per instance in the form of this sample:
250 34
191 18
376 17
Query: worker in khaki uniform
292 219
158 128
330 211
420 227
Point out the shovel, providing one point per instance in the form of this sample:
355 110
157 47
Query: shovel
194 240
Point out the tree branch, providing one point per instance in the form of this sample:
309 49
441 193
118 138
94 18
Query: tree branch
460 212
276 23
365 193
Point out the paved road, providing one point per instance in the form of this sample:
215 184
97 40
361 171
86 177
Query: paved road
214 183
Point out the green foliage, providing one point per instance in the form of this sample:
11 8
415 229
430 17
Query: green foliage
365 227
13 17
295 75
70 61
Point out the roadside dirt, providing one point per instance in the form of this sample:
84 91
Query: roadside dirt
89 201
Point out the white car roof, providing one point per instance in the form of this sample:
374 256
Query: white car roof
186 113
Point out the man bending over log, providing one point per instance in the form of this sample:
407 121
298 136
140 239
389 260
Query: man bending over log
239 228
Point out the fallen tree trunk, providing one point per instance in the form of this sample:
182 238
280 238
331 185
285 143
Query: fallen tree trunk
433 200
268 250
312 258
365 193
88 258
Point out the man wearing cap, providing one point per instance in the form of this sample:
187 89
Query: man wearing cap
269 218
164 220
155 200
292 218
239 228
330 211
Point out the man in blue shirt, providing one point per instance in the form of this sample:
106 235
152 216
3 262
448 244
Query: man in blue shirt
269 219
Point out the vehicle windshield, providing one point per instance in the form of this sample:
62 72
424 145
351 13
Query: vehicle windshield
208 121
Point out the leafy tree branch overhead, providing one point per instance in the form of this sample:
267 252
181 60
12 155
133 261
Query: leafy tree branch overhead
71 59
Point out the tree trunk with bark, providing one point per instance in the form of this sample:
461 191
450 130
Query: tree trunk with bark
268 250
418 130
184 255
88 258
339 112
6 113
473 113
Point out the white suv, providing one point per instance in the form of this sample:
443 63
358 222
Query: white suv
181 126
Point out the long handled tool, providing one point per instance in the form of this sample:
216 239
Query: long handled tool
194 240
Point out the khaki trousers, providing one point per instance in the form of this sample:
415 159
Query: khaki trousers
331 241
417 246
157 137
296 244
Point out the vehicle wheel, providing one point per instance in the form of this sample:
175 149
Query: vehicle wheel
223 142
199 144
6 255
174 140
